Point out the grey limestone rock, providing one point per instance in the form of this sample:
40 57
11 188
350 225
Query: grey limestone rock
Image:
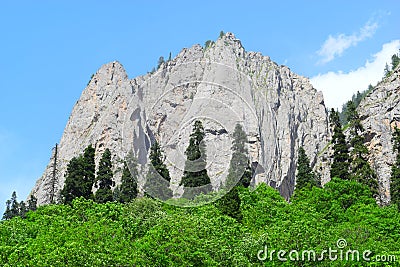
380 113
221 85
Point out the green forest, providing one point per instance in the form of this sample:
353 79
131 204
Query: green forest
146 232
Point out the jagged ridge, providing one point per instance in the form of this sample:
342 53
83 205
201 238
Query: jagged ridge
222 84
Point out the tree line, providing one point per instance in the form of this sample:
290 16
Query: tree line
350 157
80 177
349 163
19 209
83 177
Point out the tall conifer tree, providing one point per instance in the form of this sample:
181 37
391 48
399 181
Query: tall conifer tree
361 170
341 159
89 172
157 178
305 176
104 180
239 174
195 173
73 185
127 190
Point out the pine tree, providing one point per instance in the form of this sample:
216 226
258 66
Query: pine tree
128 191
340 164
73 186
7 214
360 169
395 61
32 203
305 176
239 172
195 177
23 209
395 176
157 178
104 180
387 70
12 207
89 172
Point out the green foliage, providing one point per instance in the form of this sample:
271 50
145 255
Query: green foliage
305 176
12 207
341 160
395 61
146 232
229 204
195 174
221 34
18 209
73 180
356 99
395 176
79 177
104 179
128 190
89 171
239 172
208 44
360 169
157 178
387 71
32 203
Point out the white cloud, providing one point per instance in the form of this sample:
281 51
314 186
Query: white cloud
335 46
338 87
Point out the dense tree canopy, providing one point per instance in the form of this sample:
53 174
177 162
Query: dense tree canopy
73 185
149 233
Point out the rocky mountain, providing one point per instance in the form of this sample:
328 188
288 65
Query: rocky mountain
380 113
221 85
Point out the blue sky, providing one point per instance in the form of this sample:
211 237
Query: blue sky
49 49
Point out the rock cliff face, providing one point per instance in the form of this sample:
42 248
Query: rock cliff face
380 113
221 85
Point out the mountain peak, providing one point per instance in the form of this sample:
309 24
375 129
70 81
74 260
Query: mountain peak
221 85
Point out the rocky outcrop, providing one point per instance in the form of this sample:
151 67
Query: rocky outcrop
221 85
380 113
